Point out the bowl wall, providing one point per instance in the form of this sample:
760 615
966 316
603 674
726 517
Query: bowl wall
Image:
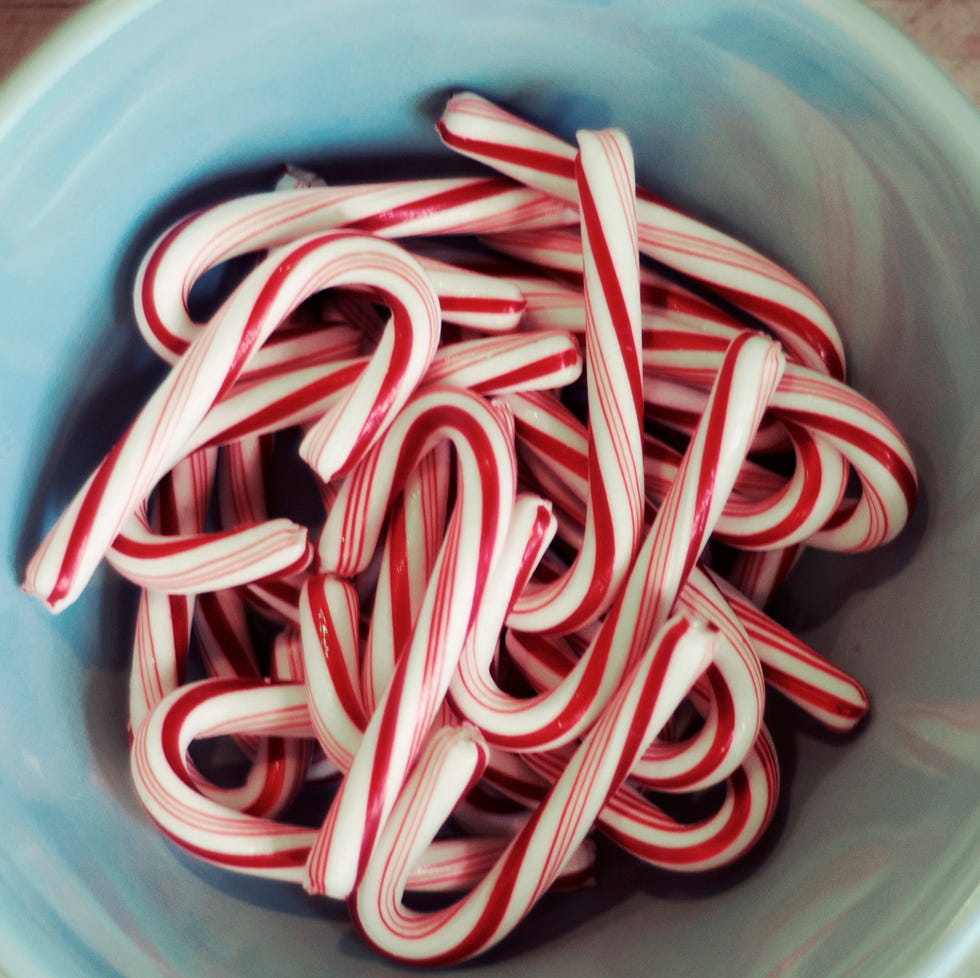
812 130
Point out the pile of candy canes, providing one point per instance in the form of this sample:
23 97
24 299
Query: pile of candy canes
523 449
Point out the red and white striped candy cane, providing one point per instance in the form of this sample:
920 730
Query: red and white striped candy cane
817 686
647 832
165 781
269 220
251 547
477 128
276 598
528 536
482 435
278 765
191 563
329 614
156 439
537 854
223 636
558 251
486 303
741 393
282 398
870 442
454 865
824 411
614 520
259 845
224 642
163 621
496 365
415 530
243 469
310 345
732 689
765 509
483 303
759 574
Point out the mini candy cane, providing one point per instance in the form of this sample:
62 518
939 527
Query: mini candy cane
485 494
604 175
279 765
535 857
415 530
642 829
163 621
198 562
476 128
268 220
165 783
817 686
155 440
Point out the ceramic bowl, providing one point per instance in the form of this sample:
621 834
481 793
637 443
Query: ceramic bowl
814 131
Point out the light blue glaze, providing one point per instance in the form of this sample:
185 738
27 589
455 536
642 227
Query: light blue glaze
811 129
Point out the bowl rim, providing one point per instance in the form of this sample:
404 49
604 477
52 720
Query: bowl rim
943 112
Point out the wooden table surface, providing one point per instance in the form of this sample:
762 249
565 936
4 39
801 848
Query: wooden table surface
949 30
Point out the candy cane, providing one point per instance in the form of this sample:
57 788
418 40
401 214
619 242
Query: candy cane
282 398
873 446
415 529
269 220
243 468
155 440
764 509
278 765
251 548
480 130
485 494
165 783
329 612
163 621
192 563
643 830
453 865
536 855
290 396
311 345
817 686
497 365
832 414
615 511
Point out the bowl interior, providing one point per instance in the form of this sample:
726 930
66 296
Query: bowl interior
814 132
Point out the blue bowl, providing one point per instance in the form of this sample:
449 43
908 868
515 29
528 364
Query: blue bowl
811 129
